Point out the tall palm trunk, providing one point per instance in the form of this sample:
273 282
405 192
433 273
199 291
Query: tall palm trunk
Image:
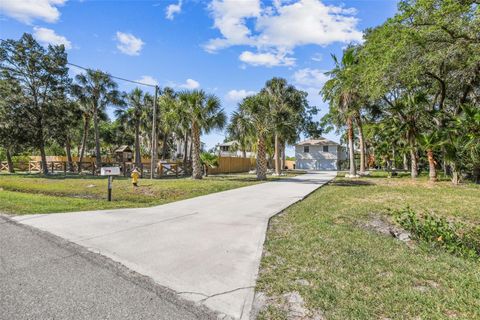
362 144
283 155
393 158
185 148
196 163
431 164
351 150
413 156
86 123
138 156
11 168
165 146
68 152
455 173
261 159
405 162
278 170
98 156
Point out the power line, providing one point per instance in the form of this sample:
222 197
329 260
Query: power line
115 77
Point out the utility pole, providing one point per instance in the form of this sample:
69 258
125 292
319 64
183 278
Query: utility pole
153 165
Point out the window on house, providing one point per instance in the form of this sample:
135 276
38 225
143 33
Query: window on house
306 149
325 148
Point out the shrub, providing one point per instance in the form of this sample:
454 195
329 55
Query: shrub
456 238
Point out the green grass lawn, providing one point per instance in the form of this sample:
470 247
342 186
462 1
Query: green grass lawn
28 194
321 249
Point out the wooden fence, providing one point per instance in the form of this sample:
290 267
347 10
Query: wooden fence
233 165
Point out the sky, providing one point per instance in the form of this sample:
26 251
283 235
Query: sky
229 48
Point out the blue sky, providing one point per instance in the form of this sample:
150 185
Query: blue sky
229 48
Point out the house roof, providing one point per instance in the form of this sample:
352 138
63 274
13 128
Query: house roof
229 143
317 142
123 149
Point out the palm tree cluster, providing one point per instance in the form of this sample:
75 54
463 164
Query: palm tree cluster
411 91
271 119
43 109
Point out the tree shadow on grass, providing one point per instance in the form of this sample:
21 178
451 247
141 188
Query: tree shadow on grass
350 183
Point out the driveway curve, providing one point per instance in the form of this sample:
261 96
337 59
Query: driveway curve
207 249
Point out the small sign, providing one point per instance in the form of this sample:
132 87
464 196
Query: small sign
110 171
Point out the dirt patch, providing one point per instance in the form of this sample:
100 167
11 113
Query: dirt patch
382 226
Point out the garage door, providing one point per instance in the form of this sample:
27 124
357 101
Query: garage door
326 165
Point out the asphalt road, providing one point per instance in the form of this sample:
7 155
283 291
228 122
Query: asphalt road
45 277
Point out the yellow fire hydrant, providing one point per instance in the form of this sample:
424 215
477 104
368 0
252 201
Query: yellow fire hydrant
135 175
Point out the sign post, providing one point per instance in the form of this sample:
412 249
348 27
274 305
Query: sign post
110 172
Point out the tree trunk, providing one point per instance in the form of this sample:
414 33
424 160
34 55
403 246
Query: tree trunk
185 149
41 146
278 170
191 148
165 146
261 159
11 168
405 162
98 156
84 142
68 152
205 170
138 156
455 173
283 155
43 156
413 156
351 150
196 163
362 145
431 164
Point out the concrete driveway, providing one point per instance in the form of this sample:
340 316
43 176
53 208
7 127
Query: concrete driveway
207 249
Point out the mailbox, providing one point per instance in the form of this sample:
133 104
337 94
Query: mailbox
110 171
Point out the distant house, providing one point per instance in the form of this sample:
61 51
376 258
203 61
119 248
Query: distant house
318 154
232 149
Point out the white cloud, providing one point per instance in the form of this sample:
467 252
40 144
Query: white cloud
173 9
238 95
276 30
148 80
28 10
129 44
48 36
310 78
190 84
230 19
267 59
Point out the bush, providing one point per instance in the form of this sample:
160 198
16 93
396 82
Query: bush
456 238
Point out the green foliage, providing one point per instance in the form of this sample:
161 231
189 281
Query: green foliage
456 238
209 159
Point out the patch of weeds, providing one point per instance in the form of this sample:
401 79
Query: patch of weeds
272 313
455 237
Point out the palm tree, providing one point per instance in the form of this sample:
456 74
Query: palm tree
342 94
280 93
170 114
204 113
134 116
430 141
254 118
238 130
96 90
209 160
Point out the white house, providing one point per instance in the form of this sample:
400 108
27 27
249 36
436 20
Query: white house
318 154
232 149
